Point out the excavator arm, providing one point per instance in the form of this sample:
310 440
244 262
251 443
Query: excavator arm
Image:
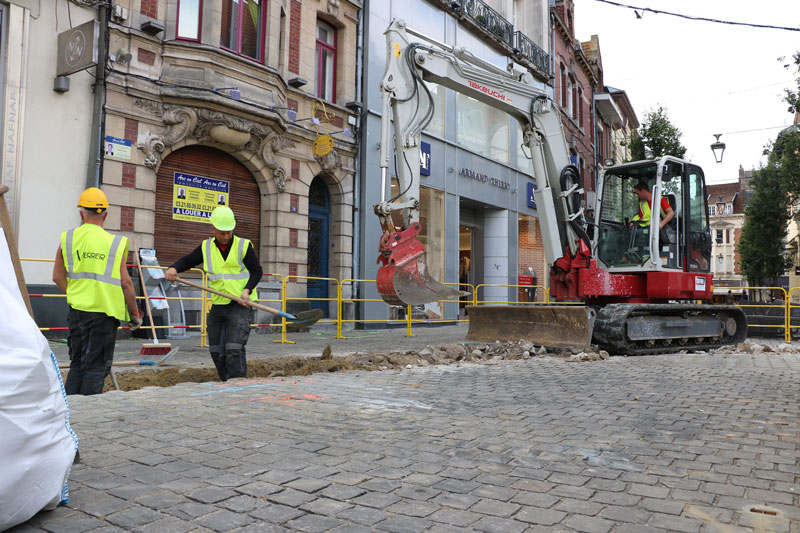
407 108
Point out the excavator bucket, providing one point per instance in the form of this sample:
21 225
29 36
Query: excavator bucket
404 278
553 326
411 284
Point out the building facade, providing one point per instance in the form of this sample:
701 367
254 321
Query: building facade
726 219
241 104
474 201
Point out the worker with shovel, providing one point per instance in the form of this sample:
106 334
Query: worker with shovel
233 268
90 269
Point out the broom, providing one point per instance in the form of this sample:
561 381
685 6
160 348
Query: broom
156 348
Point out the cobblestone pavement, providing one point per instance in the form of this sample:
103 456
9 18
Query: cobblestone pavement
262 345
659 443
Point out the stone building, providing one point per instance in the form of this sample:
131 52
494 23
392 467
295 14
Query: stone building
726 218
238 103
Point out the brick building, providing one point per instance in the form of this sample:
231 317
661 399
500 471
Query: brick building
223 101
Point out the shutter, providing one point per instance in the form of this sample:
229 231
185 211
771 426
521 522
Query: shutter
176 238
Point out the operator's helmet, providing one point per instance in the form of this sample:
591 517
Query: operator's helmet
94 199
222 218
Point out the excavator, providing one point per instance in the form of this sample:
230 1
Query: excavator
614 282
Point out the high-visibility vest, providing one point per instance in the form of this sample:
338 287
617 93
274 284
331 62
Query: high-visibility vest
227 275
92 257
644 207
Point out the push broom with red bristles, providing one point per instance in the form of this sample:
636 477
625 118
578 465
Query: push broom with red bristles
156 348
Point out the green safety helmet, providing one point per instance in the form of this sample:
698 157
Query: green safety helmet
222 218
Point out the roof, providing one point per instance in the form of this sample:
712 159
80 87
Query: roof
728 193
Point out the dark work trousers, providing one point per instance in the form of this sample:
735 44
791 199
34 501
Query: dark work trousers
228 331
91 350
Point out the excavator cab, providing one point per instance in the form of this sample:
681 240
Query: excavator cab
631 235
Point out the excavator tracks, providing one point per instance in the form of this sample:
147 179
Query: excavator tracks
641 329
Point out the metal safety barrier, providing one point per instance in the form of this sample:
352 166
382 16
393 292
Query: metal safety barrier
785 307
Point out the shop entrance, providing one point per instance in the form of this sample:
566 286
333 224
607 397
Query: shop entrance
465 270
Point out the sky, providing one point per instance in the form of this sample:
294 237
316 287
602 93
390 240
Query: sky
711 78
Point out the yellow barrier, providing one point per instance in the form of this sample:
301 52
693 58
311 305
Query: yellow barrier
305 299
470 301
341 299
785 306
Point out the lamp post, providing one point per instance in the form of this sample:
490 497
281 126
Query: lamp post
718 148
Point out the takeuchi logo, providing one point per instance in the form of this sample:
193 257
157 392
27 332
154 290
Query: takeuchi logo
491 92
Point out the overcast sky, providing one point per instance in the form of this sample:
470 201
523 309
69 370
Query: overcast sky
711 78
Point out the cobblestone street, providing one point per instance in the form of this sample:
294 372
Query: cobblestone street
674 443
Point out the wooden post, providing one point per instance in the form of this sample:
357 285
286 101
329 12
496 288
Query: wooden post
5 221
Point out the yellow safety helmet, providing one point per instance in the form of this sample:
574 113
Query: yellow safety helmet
222 218
94 199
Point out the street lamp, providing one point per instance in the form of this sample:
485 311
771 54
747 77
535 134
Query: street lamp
718 148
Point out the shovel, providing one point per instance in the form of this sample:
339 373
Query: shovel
301 320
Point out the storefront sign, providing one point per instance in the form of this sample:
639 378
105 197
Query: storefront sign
77 48
531 197
118 148
484 178
425 158
194 197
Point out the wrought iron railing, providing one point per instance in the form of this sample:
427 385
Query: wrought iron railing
532 52
486 17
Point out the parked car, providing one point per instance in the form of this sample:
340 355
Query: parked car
759 317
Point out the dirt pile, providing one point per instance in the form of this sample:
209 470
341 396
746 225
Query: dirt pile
133 378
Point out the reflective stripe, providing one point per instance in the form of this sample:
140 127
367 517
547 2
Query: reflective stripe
243 274
69 250
106 277
210 265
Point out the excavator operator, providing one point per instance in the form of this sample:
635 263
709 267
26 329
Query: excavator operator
642 191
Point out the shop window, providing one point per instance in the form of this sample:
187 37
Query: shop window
189 18
482 128
243 27
326 62
436 125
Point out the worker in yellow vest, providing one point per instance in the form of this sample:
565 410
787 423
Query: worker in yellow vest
233 268
90 269
645 197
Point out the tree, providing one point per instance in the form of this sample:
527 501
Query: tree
761 245
793 95
659 135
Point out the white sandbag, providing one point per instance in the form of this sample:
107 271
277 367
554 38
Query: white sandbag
37 445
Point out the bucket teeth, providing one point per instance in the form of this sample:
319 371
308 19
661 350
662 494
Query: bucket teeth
411 284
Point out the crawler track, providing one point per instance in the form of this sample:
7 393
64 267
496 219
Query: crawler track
640 329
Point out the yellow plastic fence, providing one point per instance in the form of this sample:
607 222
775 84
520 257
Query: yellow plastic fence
472 297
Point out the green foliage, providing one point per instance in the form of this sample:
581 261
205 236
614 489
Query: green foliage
659 135
793 95
775 188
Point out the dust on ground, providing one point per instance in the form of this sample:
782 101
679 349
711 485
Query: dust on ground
134 378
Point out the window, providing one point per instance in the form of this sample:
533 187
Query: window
728 209
189 19
712 210
728 263
719 236
482 128
243 27
563 86
436 125
326 62
720 209
575 101
580 108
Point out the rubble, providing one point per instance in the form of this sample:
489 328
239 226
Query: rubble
133 378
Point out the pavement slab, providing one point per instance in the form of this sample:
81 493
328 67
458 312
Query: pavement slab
678 443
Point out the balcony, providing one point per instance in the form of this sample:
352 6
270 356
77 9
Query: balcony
482 15
532 53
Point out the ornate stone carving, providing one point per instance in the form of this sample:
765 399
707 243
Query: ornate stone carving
206 125
329 162
180 122
149 106
333 7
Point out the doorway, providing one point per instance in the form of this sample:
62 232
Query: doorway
465 257
319 214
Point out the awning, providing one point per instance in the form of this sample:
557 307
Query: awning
608 110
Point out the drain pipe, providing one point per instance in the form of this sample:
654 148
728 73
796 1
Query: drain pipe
94 165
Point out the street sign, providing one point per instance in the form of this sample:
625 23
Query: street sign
77 48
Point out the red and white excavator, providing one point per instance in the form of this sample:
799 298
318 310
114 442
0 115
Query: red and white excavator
640 287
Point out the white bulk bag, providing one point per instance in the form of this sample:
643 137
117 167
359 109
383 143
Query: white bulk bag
37 445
